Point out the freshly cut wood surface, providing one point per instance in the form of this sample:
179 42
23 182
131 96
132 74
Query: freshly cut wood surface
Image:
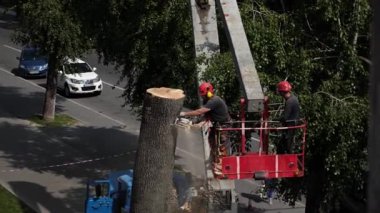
164 92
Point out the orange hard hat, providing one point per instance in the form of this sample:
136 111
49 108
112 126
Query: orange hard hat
284 86
205 87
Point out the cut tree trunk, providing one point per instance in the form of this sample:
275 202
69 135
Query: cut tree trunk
154 164
172 200
48 112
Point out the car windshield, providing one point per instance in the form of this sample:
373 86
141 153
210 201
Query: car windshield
32 54
77 68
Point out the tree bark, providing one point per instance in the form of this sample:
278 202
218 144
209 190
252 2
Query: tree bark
315 184
48 112
154 164
374 117
171 204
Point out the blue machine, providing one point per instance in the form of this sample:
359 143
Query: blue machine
112 195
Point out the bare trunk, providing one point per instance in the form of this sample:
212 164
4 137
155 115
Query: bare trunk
154 165
48 111
374 119
315 181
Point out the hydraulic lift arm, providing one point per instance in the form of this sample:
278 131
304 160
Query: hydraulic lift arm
207 43
247 73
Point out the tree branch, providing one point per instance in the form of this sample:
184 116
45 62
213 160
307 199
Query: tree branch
326 57
308 24
368 61
343 100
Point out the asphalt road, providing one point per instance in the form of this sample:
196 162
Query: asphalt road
33 160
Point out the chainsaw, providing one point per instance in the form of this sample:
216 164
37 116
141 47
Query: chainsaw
183 122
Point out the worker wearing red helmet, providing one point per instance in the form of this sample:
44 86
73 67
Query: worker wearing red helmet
215 110
290 116
214 107
292 108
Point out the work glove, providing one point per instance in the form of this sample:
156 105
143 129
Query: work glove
182 114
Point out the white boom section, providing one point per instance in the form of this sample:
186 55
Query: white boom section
205 30
249 79
206 41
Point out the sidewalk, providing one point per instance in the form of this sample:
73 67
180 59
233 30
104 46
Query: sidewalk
34 160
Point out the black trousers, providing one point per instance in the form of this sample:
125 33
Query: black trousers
287 141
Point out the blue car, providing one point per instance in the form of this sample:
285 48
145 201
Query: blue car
32 63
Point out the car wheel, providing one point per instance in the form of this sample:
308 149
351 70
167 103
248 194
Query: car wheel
18 72
23 74
67 91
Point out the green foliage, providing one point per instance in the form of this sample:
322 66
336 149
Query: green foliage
273 44
221 73
320 46
338 136
152 44
342 47
53 26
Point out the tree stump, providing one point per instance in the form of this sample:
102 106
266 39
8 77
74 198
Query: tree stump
154 164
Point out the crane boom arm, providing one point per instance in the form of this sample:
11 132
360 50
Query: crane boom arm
248 76
205 31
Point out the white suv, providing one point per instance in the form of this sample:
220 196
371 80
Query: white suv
77 77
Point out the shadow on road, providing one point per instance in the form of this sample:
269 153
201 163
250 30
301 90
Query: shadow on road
244 209
8 19
253 197
78 152
16 103
43 197
19 73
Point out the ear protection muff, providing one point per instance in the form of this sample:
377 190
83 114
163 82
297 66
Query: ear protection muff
209 94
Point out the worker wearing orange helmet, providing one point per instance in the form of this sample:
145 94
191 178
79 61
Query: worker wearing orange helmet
290 116
213 107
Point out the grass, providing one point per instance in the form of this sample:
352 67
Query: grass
10 204
60 120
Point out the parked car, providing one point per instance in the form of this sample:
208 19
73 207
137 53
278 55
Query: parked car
32 63
78 77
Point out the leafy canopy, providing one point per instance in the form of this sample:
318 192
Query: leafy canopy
53 26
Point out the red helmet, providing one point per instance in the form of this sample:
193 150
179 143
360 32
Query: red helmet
284 86
205 87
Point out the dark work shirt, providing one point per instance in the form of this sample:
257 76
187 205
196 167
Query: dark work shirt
218 109
291 111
